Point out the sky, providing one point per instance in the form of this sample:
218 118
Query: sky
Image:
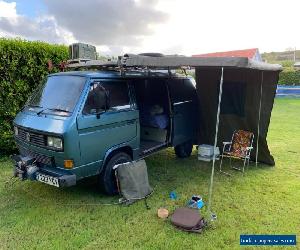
184 27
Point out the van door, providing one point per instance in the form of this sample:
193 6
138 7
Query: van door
108 119
184 115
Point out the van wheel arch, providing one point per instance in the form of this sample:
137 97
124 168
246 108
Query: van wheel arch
103 182
110 153
107 179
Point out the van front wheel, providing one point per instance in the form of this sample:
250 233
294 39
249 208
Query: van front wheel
184 150
107 178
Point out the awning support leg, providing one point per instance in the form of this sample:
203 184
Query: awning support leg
215 144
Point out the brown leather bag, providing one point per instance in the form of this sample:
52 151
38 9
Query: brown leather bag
188 219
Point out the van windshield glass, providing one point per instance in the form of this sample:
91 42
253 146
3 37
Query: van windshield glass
58 94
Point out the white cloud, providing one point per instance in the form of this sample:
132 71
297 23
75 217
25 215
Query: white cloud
114 26
44 28
108 22
8 9
168 26
197 26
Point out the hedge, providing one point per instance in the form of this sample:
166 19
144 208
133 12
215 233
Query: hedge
23 65
289 77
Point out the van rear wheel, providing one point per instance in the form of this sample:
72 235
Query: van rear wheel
107 179
184 150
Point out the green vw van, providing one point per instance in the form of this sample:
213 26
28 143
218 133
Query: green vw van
82 123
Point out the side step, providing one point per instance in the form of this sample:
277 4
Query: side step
153 149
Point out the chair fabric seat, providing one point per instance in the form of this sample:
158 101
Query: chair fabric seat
236 154
240 147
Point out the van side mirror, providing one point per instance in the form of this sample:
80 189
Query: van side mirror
100 100
97 101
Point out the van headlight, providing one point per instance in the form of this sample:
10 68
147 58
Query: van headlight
54 142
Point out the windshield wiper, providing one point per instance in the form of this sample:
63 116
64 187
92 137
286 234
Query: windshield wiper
31 106
61 110
41 111
53 109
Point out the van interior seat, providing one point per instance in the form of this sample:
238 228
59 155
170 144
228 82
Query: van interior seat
153 116
153 104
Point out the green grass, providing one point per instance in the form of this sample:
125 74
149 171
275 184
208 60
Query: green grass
265 201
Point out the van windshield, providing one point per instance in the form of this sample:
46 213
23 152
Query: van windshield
58 94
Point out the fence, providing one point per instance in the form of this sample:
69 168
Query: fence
288 91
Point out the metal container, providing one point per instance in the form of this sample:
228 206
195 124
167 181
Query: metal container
82 51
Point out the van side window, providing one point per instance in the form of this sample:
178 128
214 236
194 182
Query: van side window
105 96
181 90
97 94
117 94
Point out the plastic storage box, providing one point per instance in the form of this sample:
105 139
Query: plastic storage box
205 152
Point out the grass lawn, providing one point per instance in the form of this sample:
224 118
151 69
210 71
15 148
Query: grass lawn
265 201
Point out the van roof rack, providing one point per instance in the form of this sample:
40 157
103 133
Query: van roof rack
87 63
124 64
128 62
120 65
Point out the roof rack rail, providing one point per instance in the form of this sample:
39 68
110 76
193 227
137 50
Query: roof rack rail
151 54
86 63
78 60
121 64
149 62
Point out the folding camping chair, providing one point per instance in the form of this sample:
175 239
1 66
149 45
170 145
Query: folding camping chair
239 148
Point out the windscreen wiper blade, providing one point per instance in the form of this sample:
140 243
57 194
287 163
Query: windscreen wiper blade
60 110
53 109
41 111
31 106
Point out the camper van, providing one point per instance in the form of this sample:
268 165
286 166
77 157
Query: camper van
79 124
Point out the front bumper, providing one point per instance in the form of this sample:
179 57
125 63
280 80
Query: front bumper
25 168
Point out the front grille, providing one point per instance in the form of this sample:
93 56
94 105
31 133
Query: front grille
40 158
31 137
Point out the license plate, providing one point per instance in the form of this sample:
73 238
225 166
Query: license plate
47 179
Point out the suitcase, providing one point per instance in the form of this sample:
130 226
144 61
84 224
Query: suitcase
188 219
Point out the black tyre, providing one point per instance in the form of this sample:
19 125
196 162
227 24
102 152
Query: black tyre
184 150
107 179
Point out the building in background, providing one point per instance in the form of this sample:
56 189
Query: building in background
250 53
297 66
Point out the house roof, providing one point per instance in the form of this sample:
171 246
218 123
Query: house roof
249 53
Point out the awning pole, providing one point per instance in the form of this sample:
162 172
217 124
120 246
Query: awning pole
215 144
259 112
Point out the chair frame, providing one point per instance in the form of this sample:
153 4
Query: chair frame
246 158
